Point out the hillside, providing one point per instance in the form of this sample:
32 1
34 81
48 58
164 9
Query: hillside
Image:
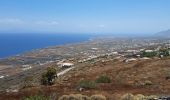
148 77
165 33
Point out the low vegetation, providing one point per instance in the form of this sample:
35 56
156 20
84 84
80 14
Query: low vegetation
97 97
164 52
139 97
87 84
149 54
82 97
130 96
103 79
28 82
127 96
74 97
36 97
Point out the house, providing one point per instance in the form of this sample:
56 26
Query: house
144 58
1 76
129 60
66 65
148 50
114 53
26 67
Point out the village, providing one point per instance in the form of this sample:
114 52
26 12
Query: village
126 49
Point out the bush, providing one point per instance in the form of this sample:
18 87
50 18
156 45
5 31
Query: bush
87 84
130 96
149 54
36 97
97 97
48 78
127 96
164 52
151 97
64 97
139 97
53 96
74 97
103 79
147 82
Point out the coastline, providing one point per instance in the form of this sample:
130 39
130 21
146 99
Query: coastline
21 49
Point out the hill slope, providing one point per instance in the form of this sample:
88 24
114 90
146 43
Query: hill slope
146 77
165 33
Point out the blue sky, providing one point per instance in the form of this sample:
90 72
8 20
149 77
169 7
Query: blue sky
84 16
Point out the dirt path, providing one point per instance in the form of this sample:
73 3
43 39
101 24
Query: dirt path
64 71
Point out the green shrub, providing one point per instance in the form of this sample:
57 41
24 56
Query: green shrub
127 96
87 84
149 54
164 52
36 97
103 79
48 78
97 97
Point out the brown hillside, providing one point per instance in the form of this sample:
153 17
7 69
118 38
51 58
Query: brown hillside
148 77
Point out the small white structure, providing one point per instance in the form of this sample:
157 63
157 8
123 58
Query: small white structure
66 65
144 58
148 50
138 55
115 53
161 56
94 48
2 77
129 60
26 67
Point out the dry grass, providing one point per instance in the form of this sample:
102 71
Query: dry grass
148 75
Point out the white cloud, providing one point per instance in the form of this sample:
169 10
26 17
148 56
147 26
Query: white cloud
101 26
47 23
11 21
17 21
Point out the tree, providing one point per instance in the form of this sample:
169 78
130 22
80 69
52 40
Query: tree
164 52
48 78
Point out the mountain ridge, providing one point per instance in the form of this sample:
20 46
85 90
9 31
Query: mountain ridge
163 33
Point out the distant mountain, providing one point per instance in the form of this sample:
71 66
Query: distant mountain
165 33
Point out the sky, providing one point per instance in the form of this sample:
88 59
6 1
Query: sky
84 16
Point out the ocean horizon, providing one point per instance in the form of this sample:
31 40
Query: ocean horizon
14 44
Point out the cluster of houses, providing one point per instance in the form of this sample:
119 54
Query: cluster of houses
26 67
145 54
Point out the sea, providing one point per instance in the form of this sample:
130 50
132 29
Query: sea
14 44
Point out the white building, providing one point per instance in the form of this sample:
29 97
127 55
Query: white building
66 65
2 76
148 50
26 67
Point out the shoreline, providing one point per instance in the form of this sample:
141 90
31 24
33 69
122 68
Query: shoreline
46 47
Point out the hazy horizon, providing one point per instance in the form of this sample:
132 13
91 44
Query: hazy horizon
84 16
